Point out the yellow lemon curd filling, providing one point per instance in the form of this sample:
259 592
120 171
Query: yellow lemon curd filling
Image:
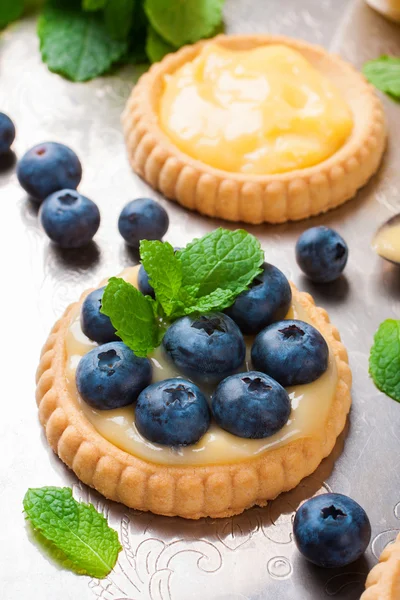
260 111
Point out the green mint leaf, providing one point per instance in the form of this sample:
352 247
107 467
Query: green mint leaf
179 23
80 533
93 4
76 44
218 300
156 46
10 10
118 16
228 260
384 73
384 360
132 315
164 270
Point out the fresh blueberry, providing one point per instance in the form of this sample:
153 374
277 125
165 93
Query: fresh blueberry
267 300
173 412
251 405
112 376
207 348
331 530
142 219
48 168
94 324
69 219
291 352
321 254
143 283
7 133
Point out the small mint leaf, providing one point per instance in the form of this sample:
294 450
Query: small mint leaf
118 16
164 270
93 4
384 73
217 300
80 533
156 46
222 259
384 360
77 44
10 10
132 315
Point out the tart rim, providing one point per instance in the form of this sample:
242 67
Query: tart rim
274 198
382 578
187 491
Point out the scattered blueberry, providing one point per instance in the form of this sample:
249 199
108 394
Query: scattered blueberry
94 324
251 405
143 219
207 348
7 133
331 530
321 254
291 352
173 412
69 219
48 168
143 283
112 376
267 300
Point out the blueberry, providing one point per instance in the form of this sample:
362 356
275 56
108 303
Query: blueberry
143 283
207 348
251 405
173 412
267 300
321 254
94 324
331 530
47 168
7 133
69 219
142 219
291 352
111 376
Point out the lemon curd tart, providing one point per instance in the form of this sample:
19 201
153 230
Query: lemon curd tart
255 128
222 474
383 581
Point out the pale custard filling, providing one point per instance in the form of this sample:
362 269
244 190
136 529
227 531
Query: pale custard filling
310 407
387 242
260 111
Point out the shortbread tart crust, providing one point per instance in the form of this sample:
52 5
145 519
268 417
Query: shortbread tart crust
383 582
256 198
190 491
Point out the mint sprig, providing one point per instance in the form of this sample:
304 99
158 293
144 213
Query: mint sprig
84 541
384 73
10 10
384 360
205 276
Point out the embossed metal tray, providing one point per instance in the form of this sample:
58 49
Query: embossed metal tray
243 558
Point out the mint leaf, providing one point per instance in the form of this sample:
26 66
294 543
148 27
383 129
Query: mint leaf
183 22
93 4
76 44
228 260
10 10
218 300
384 73
164 270
384 360
118 17
132 315
156 46
77 530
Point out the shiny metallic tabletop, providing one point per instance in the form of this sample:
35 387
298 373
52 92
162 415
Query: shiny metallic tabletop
243 558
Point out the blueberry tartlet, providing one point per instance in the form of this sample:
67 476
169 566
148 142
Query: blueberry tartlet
383 581
220 390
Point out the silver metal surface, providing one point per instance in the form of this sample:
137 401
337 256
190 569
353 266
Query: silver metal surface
243 558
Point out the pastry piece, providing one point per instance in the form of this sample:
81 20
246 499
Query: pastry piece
383 582
224 479
295 161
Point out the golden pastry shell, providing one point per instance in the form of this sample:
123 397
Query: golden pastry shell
187 491
383 582
256 198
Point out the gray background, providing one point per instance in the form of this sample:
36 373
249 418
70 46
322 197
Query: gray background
247 557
